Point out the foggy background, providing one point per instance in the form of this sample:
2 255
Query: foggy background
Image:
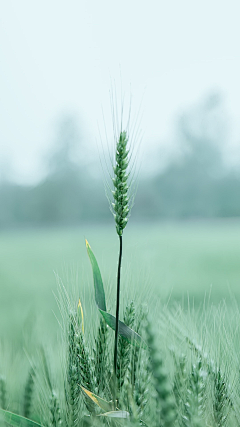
176 64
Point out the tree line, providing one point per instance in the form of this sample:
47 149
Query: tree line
197 182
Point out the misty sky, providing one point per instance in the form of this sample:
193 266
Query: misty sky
59 57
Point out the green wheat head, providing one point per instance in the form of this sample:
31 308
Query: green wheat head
120 181
124 347
28 393
3 393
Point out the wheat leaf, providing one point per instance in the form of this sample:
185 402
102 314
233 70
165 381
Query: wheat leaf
124 330
129 334
103 404
81 312
116 414
17 420
97 278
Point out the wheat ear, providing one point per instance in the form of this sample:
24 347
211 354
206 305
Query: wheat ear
3 394
28 394
124 346
165 403
101 356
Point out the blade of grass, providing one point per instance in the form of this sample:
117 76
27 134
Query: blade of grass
97 278
127 333
124 330
17 420
103 404
115 414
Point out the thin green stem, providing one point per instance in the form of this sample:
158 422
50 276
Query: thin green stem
117 309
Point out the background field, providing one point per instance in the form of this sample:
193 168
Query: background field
164 261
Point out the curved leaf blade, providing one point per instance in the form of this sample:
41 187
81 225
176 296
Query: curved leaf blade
97 279
17 420
129 334
103 404
116 414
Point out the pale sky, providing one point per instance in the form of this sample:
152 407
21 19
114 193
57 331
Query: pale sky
59 56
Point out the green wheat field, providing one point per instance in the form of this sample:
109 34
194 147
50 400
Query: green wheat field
164 262
183 279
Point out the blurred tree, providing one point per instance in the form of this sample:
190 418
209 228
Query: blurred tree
60 197
197 183
63 159
202 133
192 185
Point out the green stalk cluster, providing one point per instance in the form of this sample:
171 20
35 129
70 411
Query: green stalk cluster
120 193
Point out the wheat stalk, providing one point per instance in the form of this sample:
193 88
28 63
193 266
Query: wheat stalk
120 211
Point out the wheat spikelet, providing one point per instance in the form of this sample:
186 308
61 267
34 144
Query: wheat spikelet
179 381
84 370
120 181
195 399
72 389
101 368
84 365
221 400
141 385
55 412
28 394
165 403
124 346
3 394
50 404
221 403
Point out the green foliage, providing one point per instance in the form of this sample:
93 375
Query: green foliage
182 386
168 381
15 420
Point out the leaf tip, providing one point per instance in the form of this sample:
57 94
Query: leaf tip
82 316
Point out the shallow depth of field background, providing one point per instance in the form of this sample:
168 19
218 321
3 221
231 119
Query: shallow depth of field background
178 68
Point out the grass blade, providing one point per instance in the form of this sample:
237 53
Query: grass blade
124 330
103 404
129 334
17 420
116 414
97 278
79 307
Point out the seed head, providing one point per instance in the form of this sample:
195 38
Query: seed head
120 182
